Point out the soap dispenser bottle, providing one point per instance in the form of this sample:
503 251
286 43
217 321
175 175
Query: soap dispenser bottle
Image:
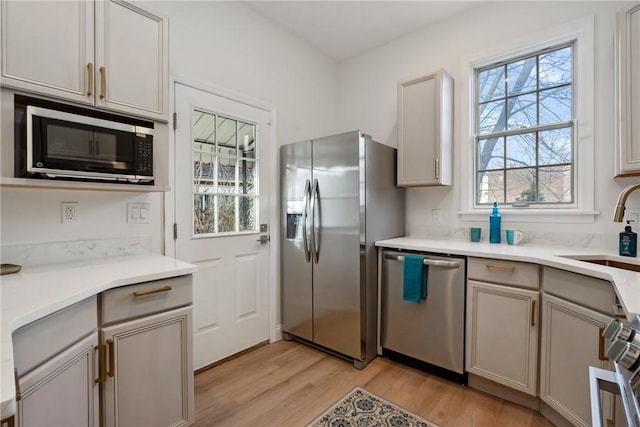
628 242
494 224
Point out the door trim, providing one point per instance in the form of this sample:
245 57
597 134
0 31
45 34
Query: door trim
275 330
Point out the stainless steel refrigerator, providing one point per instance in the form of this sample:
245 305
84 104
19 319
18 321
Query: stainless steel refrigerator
338 196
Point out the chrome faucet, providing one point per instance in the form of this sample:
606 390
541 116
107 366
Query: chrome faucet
622 199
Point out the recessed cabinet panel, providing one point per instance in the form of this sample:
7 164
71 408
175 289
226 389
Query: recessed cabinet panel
135 61
628 105
46 47
502 335
425 130
571 342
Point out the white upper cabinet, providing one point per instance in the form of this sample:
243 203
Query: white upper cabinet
48 48
628 100
425 130
132 73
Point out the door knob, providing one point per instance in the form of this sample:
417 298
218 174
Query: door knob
264 239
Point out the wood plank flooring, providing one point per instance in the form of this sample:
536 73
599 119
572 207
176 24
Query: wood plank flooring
289 384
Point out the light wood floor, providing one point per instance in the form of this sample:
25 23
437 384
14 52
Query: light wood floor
289 384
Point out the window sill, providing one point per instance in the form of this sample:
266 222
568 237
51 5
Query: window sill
562 216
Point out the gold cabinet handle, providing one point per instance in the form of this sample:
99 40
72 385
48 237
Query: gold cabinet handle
501 267
533 313
601 355
90 75
18 392
102 366
152 291
103 82
112 360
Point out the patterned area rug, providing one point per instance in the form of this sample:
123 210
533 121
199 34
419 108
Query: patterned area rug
360 408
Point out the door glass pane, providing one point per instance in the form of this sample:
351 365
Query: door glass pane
247 213
227 141
203 214
204 127
247 177
226 214
224 174
247 140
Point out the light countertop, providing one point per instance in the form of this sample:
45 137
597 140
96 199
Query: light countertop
626 283
38 291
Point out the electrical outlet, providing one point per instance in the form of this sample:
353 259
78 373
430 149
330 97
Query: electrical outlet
632 215
68 212
435 215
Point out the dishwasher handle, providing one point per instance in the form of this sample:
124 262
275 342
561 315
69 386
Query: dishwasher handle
427 261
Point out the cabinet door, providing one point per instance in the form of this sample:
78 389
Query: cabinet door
62 391
150 371
628 104
425 130
571 342
47 47
132 55
502 335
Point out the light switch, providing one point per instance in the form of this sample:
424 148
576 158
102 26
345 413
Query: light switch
138 213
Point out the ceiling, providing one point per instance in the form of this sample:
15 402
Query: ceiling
345 29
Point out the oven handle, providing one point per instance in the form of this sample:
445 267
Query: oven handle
426 261
600 379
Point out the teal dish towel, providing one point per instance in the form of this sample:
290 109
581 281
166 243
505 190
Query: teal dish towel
414 286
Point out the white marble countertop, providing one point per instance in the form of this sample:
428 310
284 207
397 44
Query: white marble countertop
38 291
626 283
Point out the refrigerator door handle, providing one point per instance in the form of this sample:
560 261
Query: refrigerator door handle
305 217
315 222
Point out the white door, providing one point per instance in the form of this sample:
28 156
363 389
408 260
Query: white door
222 199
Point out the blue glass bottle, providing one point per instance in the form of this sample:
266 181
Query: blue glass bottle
494 225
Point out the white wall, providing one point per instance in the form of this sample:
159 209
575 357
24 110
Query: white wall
228 45
367 88
215 44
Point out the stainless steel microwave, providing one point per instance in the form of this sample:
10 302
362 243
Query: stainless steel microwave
82 145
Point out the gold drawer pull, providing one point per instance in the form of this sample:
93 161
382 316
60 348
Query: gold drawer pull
90 75
18 391
601 355
102 364
501 267
152 291
533 313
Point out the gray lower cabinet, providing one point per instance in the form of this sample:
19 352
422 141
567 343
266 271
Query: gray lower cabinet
135 370
149 374
147 368
62 391
571 342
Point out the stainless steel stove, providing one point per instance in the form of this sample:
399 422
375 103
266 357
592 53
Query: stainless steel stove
625 381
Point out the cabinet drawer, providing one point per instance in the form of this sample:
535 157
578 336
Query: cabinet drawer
520 274
36 342
145 298
584 290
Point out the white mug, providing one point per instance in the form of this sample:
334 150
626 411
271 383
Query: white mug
513 237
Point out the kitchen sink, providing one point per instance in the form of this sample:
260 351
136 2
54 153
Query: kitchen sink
607 262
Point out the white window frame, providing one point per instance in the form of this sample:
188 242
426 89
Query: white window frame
582 211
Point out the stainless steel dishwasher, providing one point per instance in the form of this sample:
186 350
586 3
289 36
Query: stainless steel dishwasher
433 330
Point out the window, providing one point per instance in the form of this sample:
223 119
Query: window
524 136
570 197
224 175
